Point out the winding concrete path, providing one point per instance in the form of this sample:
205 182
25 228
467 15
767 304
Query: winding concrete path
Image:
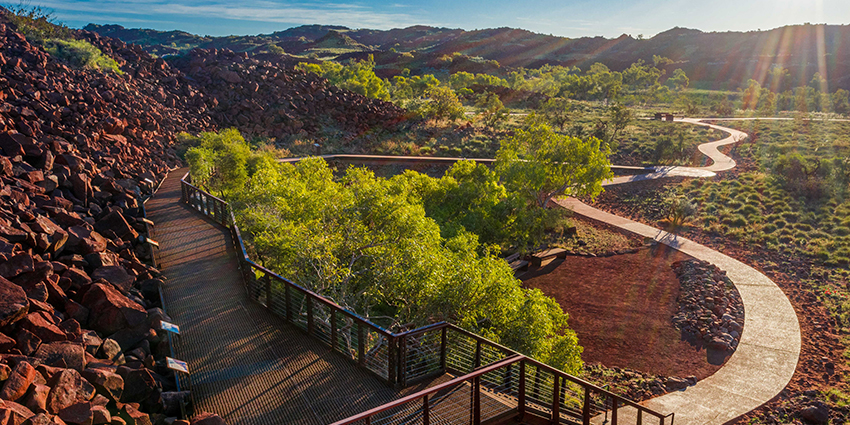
769 349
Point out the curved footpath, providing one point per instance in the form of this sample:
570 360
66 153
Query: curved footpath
769 348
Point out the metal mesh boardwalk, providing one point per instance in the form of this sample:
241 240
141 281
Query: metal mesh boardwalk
247 365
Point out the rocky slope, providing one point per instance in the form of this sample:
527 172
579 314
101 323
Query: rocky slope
80 312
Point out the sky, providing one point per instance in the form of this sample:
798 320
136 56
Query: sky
567 18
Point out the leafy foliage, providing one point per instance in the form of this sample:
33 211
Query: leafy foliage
36 23
370 245
81 54
541 164
356 76
219 162
443 105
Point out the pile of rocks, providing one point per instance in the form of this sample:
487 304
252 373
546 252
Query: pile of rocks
262 98
636 385
79 307
710 308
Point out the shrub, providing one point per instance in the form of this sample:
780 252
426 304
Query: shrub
81 54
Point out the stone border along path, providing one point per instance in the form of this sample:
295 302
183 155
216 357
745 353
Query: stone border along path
769 348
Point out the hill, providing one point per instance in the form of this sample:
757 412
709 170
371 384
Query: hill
722 60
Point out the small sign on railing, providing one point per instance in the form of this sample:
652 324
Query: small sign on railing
178 365
170 327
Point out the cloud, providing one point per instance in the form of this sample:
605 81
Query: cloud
349 14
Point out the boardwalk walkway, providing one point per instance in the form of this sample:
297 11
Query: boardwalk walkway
247 365
767 355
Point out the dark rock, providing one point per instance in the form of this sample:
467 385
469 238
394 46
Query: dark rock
78 414
6 344
139 386
110 311
84 241
133 416
42 325
19 382
12 413
20 263
28 342
71 354
108 384
817 413
116 222
66 388
36 399
207 418
13 302
115 275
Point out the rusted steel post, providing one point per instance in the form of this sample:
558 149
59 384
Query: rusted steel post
556 399
614 407
477 361
392 359
426 411
476 405
585 411
521 391
402 360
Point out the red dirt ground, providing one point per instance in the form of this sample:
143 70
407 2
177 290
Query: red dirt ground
621 308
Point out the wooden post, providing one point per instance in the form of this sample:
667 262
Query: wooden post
556 400
476 404
333 330
614 406
585 411
521 392
443 346
361 344
288 301
426 413
309 315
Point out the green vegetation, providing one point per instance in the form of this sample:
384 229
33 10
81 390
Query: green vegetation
81 54
39 27
356 76
413 248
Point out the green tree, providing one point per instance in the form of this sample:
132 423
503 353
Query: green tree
491 110
541 164
558 110
679 80
356 76
220 161
443 104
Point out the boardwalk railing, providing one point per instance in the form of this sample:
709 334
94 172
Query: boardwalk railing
513 390
404 358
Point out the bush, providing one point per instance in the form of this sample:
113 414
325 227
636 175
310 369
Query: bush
36 23
81 54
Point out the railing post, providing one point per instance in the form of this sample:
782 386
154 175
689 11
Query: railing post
443 347
392 359
402 360
333 330
585 410
268 279
426 411
361 344
287 300
476 400
640 417
521 392
309 315
556 400
614 407
477 360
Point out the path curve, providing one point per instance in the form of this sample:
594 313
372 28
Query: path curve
769 348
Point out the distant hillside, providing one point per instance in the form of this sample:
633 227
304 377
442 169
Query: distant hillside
711 60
